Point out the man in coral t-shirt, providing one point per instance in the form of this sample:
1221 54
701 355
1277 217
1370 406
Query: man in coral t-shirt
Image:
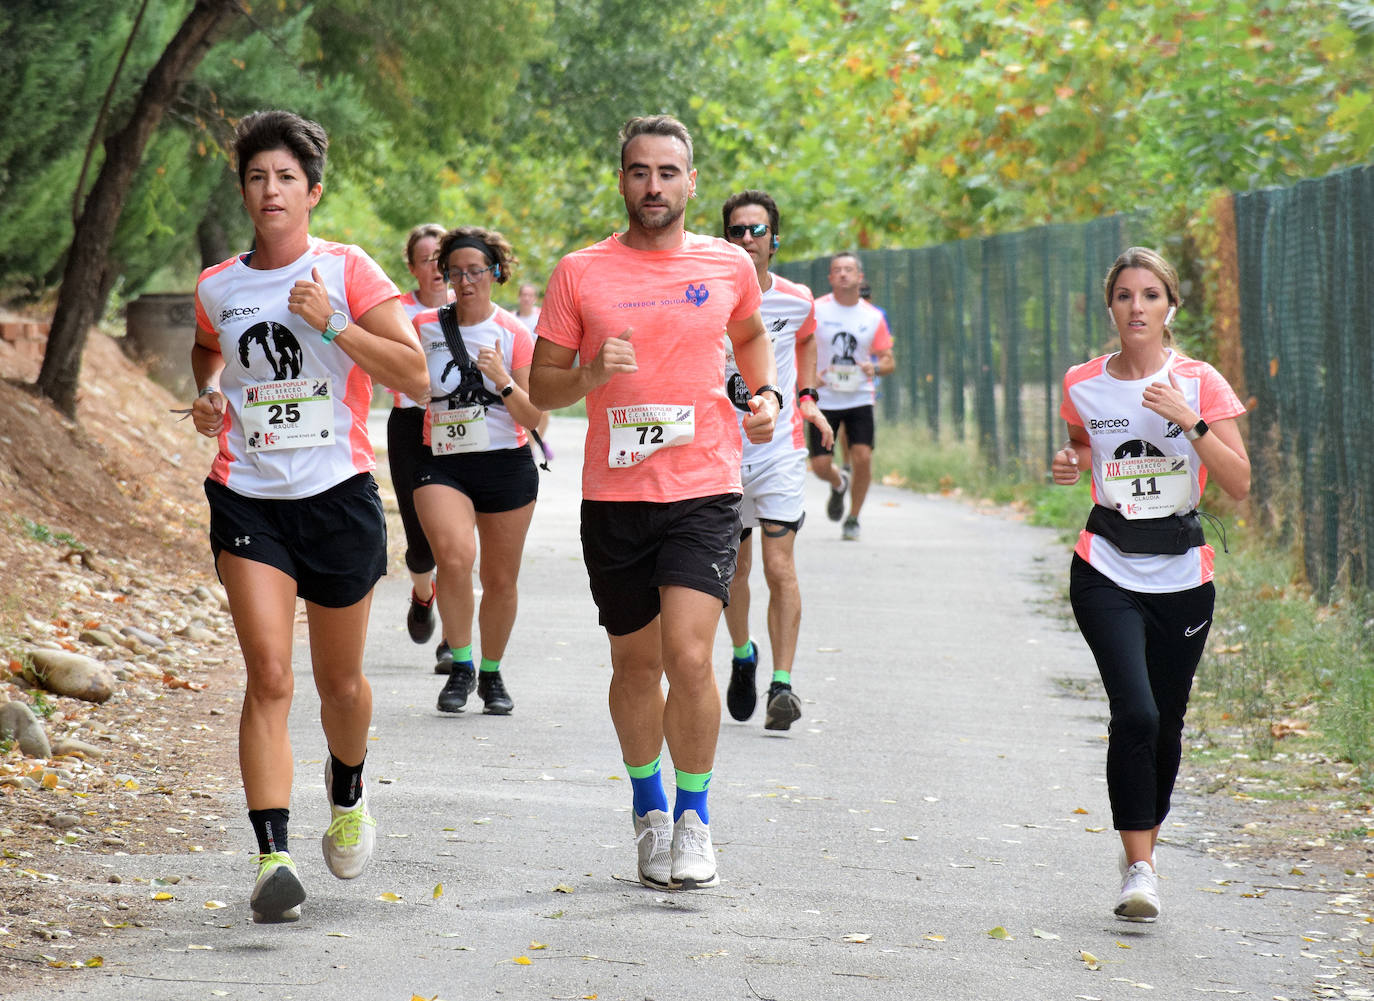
644 311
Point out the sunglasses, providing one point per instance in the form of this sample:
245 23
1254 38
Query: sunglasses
756 230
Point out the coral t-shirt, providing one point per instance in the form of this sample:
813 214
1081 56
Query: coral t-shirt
666 432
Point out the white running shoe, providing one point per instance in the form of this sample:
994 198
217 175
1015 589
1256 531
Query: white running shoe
278 893
694 860
1139 900
654 843
351 835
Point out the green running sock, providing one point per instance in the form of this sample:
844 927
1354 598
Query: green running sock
745 652
783 677
462 654
489 665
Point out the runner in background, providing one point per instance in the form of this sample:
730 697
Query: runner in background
289 337
527 312
772 473
850 333
644 311
476 480
405 446
1148 424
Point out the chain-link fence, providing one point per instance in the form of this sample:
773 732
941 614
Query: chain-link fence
984 329
1305 259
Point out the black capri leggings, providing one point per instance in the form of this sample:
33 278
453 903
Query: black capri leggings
405 449
1147 648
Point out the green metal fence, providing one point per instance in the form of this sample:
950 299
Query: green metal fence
1305 257
984 329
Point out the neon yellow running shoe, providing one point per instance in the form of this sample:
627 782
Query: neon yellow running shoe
278 893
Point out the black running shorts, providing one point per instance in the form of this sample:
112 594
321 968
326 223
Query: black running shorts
632 548
501 480
333 544
858 428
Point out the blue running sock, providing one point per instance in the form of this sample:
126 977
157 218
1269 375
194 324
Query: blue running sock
691 794
647 785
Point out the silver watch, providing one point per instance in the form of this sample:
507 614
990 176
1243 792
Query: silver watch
338 323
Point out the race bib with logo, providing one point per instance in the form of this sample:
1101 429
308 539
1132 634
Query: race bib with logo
462 429
845 378
290 413
638 432
1149 486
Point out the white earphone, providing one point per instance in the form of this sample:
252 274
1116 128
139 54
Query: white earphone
1169 317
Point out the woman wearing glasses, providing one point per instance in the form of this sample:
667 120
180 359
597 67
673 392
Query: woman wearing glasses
477 479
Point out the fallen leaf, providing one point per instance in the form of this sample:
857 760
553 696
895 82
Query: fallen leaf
95 962
438 890
562 888
521 960
933 938
1122 945
1041 933
1090 961
214 905
536 946
160 895
200 948
337 934
1080 810
858 938
390 898
1000 932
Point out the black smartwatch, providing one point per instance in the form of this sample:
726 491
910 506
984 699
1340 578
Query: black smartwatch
510 388
770 388
811 393
1197 431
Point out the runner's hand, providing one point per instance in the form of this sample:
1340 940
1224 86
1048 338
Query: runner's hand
617 355
490 364
812 413
310 301
1064 467
1169 402
207 413
758 426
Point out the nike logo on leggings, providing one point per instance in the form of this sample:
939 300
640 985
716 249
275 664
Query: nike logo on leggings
1193 630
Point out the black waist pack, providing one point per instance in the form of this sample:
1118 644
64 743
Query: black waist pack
1172 535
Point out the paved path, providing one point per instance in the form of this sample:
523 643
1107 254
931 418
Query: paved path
943 782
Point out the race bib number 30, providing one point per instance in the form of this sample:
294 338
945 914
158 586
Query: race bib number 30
462 429
292 413
1151 486
640 431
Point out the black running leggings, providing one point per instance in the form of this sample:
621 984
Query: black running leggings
1147 648
405 448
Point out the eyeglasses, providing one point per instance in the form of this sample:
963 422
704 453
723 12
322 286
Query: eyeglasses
473 276
756 230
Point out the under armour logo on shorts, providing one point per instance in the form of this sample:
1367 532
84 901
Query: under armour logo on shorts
241 540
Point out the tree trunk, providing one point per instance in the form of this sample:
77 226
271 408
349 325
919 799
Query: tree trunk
88 274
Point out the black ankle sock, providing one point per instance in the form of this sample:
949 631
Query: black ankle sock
347 787
270 827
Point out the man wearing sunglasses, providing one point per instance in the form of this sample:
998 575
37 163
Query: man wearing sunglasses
644 311
772 473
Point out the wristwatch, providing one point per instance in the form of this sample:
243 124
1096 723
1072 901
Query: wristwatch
1197 431
510 388
338 323
770 388
809 393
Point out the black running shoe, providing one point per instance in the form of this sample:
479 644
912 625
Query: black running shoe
784 708
741 696
497 702
455 694
420 618
834 508
443 658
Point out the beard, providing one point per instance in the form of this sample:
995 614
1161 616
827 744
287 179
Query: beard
663 220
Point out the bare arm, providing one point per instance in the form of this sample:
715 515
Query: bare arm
207 412
806 377
1072 458
754 357
554 382
1221 449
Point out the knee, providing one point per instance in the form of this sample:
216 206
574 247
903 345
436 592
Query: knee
269 681
454 556
1136 722
344 690
498 582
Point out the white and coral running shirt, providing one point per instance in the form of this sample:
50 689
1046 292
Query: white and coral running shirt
268 350
847 336
789 317
501 331
1121 427
678 303
413 307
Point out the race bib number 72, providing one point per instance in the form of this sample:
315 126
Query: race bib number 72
638 432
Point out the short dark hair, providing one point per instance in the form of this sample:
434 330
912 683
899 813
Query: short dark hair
419 233
850 254
751 196
265 130
495 247
655 125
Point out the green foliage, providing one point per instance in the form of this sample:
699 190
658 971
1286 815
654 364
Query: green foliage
43 707
42 533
